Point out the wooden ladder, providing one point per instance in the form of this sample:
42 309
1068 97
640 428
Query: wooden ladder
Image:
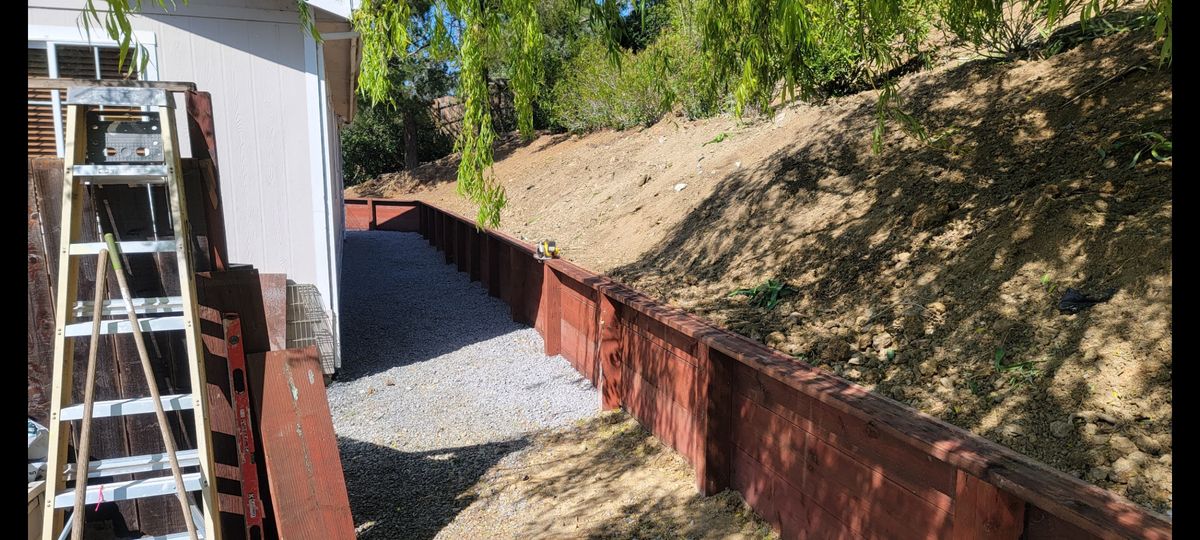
126 136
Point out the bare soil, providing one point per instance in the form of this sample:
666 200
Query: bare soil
928 274
605 478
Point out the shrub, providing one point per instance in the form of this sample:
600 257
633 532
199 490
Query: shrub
373 143
594 93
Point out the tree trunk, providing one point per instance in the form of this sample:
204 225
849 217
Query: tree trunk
411 157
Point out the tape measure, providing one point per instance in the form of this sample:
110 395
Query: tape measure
546 249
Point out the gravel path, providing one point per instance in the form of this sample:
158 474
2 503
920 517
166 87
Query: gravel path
437 384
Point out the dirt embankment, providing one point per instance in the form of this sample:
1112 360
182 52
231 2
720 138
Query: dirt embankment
929 275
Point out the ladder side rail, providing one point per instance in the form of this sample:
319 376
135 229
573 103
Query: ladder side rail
191 311
68 289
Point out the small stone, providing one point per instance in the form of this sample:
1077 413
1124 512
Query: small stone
1090 429
1060 429
1097 474
927 367
930 215
835 350
1110 163
776 339
1123 470
937 307
1108 188
946 383
1148 444
1122 444
1165 459
680 186
913 326
1012 430
793 318
882 340
855 361
853 374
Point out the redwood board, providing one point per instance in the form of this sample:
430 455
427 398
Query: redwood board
304 469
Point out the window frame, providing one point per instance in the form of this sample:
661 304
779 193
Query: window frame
50 37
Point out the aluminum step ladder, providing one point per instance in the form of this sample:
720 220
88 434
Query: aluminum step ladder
100 151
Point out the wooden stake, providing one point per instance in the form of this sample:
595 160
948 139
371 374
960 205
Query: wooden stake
168 440
85 426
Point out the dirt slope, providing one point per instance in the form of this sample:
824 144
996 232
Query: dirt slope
930 276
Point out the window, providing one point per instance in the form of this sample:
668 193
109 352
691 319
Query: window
47 114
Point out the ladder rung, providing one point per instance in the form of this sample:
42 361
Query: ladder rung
120 170
129 490
139 246
126 407
175 536
141 306
126 465
122 96
122 326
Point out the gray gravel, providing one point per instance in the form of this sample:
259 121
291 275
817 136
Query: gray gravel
437 384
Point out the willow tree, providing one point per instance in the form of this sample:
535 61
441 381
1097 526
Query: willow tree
770 48
468 32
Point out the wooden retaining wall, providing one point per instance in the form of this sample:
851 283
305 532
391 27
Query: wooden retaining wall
816 455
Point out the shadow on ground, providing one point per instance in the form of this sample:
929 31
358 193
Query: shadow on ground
413 495
402 304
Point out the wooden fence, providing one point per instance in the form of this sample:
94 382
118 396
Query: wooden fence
447 111
815 455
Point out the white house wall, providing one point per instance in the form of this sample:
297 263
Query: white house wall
251 56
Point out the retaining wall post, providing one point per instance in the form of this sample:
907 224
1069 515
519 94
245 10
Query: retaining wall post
610 353
716 420
551 310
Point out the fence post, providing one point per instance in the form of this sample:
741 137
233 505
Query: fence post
516 285
472 253
460 247
610 353
983 511
370 214
716 373
485 260
496 263
451 237
552 310
440 232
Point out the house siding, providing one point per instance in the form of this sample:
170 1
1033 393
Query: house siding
251 56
